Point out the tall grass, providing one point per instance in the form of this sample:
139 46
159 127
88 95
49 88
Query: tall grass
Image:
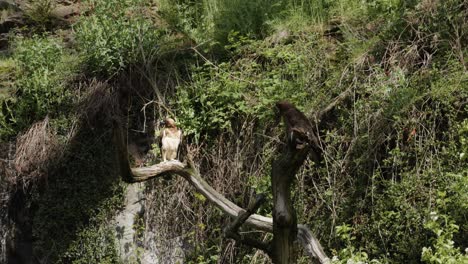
316 11
213 20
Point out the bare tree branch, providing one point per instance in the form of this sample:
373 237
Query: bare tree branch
244 215
231 230
190 173
309 242
336 101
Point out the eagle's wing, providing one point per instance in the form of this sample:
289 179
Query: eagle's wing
179 148
161 135
181 137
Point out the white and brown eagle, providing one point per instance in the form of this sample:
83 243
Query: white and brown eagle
171 137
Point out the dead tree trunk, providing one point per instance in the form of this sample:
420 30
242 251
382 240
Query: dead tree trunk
301 142
284 216
310 244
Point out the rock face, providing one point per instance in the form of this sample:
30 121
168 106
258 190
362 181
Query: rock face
125 223
172 252
10 22
143 247
16 15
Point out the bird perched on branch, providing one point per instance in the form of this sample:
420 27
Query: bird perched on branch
298 127
171 137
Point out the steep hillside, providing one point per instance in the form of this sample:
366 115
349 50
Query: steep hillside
390 187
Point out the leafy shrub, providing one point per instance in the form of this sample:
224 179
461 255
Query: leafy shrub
116 35
94 243
248 87
350 254
44 69
38 53
443 249
207 105
39 12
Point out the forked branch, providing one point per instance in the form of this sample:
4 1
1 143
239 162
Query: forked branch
190 173
231 230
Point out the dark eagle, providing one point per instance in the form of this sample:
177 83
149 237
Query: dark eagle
299 129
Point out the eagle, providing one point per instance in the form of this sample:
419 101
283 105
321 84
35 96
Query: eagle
299 129
171 137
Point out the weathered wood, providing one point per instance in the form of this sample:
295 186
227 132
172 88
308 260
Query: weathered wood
244 215
284 169
311 244
231 231
284 216
193 177
304 235
188 172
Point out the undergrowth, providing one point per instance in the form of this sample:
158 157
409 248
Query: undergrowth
43 71
116 35
391 187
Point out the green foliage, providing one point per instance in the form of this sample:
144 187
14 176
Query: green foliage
399 218
38 54
95 243
40 12
116 35
463 134
402 188
248 87
140 228
210 259
212 20
40 88
7 77
350 254
407 121
262 185
443 249
210 105
205 252
243 16
316 11
393 175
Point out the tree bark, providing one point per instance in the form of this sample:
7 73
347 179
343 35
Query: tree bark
231 231
306 238
288 164
284 216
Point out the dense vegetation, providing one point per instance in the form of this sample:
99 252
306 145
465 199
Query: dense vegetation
392 186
